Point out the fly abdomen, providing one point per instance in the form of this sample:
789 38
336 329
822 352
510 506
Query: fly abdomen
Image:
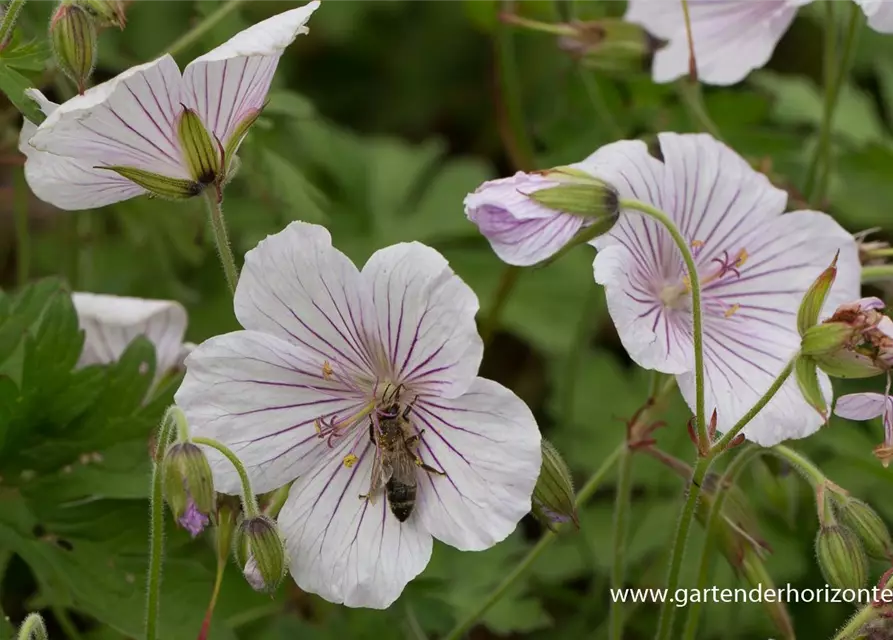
401 497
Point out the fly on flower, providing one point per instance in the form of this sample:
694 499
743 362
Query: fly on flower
153 130
361 387
754 266
731 37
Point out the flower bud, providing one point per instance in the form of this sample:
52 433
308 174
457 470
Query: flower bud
203 155
188 485
855 342
73 36
841 557
260 552
530 217
33 628
553 496
867 524
609 44
106 13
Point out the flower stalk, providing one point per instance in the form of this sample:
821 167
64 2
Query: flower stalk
9 21
249 501
23 235
221 239
621 528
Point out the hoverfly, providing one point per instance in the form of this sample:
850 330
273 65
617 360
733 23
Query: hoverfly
396 462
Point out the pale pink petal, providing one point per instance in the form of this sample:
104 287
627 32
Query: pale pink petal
860 406
731 37
342 547
111 323
296 286
230 82
65 182
425 318
488 443
879 14
261 396
129 120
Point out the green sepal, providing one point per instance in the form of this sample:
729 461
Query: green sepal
814 300
107 13
848 364
553 496
201 152
159 185
593 200
807 374
238 135
825 338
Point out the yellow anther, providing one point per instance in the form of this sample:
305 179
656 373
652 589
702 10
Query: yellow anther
731 310
697 244
316 426
741 258
350 460
327 370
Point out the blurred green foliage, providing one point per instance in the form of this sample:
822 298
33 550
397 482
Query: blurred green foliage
380 121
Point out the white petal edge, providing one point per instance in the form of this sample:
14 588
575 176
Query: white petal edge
297 286
860 406
260 396
425 316
111 323
879 14
129 120
229 82
344 548
488 443
731 39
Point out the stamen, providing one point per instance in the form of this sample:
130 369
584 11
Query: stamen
741 258
331 427
350 460
732 310
327 370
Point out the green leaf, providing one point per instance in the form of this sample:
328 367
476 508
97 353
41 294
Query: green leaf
14 84
30 56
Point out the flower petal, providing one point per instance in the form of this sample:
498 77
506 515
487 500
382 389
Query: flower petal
860 406
746 349
346 549
731 37
111 323
261 396
425 318
126 121
295 285
879 14
488 443
228 83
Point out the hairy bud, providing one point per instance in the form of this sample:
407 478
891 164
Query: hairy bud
188 486
261 553
73 35
553 497
867 524
106 13
841 558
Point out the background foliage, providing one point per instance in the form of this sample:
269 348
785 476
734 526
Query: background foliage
381 120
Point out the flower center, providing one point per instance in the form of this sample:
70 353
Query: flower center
724 268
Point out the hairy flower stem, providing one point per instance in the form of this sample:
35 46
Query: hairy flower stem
193 35
621 526
156 540
804 466
592 485
221 239
711 529
837 69
249 501
668 610
868 613
877 273
697 321
9 19
33 628
209 613
23 237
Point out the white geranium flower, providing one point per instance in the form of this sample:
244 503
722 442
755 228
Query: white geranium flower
307 389
755 263
151 129
111 323
731 37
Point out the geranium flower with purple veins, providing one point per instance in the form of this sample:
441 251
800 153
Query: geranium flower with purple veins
111 323
731 37
867 406
362 385
754 265
152 129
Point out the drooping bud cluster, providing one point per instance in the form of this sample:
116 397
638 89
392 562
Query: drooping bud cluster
553 497
73 35
260 551
188 486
